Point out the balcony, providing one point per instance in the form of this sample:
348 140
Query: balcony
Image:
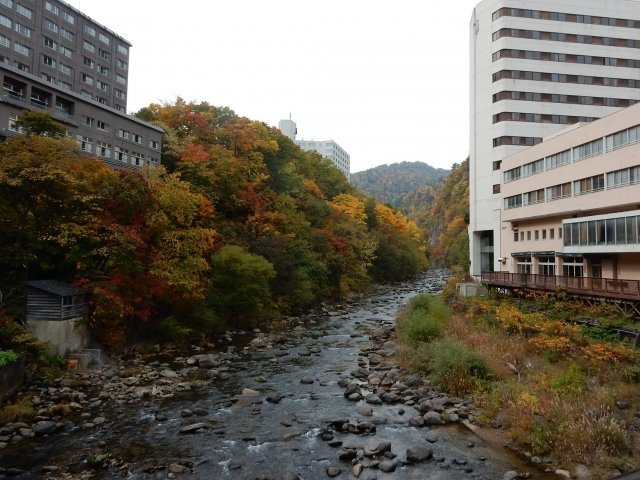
605 288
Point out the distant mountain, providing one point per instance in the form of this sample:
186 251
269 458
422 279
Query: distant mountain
391 183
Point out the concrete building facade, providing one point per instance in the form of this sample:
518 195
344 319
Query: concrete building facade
572 203
535 71
55 58
327 148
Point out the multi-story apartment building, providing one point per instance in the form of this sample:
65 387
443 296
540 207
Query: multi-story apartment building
327 148
55 58
537 68
571 205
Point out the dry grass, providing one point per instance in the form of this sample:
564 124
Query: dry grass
563 399
20 411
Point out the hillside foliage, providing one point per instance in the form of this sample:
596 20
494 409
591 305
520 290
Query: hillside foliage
391 183
238 226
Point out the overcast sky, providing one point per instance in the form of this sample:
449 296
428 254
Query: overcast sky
387 80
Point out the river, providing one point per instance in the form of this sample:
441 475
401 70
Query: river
276 412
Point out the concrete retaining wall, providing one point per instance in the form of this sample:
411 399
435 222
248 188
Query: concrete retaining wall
63 335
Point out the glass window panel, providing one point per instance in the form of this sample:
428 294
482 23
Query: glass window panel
583 233
592 233
621 235
610 231
632 231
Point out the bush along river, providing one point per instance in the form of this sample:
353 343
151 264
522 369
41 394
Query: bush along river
321 397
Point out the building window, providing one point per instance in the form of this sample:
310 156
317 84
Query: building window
121 79
89 121
102 86
544 233
5 21
123 133
136 138
13 118
523 265
88 46
67 34
513 202
522 236
546 265
122 64
104 39
621 178
496 188
23 30
47 78
121 154
154 144
103 149
536 235
65 85
90 30
85 144
103 70
558 160
4 41
47 60
529 235
102 100
588 149
88 79
49 25
558 191
88 62
67 17
102 126
50 43
531 198
24 11
588 185
51 8
7 3
122 49
119 93
22 49
66 69
86 94
572 267
515 236
137 159
103 54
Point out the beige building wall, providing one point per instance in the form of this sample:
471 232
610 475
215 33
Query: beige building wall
599 192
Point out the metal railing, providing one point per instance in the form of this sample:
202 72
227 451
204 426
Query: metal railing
601 287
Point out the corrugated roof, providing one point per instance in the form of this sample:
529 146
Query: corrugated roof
56 287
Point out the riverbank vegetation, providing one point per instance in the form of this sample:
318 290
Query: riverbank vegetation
236 227
561 391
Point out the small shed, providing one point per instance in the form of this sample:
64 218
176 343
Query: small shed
56 313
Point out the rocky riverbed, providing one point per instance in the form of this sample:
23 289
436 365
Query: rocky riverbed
322 397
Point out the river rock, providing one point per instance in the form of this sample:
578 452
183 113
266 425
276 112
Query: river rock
364 411
194 427
433 418
419 453
373 399
416 421
44 427
306 380
249 392
356 470
289 476
333 471
387 466
432 437
510 475
581 473
378 448
168 373
177 469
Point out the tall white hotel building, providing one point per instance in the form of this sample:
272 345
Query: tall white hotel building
538 67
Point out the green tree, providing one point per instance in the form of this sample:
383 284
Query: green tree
241 285
40 123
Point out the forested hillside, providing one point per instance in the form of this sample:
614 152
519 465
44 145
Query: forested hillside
446 218
391 183
238 226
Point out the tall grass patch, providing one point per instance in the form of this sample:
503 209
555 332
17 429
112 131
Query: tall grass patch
457 369
423 321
